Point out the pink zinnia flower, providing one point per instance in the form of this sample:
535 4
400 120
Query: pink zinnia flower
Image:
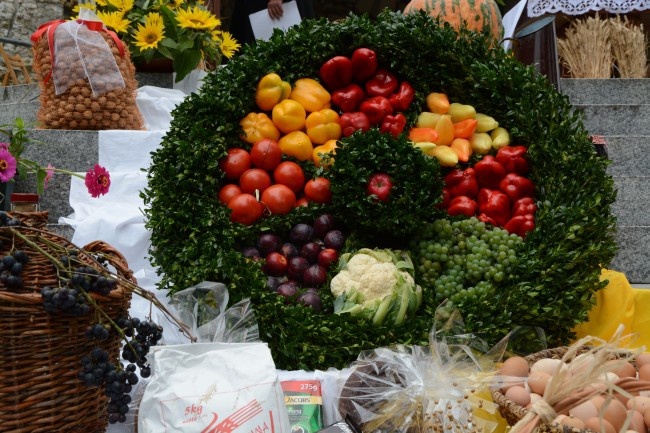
7 165
98 181
49 173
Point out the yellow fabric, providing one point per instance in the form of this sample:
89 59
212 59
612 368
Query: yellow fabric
619 304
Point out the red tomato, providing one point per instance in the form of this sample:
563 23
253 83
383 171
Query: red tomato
254 179
235 163
279 199
245 209
302 201
227 192
266 154
290 174
318 190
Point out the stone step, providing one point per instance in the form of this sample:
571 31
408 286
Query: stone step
623 91
630 155
633 257
616 119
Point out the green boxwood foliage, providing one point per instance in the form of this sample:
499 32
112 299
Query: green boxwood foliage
559 265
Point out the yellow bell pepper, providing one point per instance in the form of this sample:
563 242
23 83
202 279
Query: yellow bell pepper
257 126
445 129
323 125
297 144
311 94
320 152
288 115
271 90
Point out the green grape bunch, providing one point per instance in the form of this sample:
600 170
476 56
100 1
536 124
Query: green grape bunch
463 259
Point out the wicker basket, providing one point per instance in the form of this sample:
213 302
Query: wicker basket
40 354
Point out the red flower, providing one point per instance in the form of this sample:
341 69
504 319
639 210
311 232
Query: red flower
98 181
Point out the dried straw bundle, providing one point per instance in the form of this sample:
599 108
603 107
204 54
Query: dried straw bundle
629 48
585 50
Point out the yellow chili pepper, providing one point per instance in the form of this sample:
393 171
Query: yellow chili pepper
288 115
271 90
323 125
323 154
297 144
311 94
257 126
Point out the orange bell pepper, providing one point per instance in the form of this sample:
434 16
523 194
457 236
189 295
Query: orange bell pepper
438 102
323 154
297 144
445 129
420 135
311 94
288 115
258 126
271 90
463 148
323 125
465 128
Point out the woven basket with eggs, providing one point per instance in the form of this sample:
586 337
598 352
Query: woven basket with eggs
600 392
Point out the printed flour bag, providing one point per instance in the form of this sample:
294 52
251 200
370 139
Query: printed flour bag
213 388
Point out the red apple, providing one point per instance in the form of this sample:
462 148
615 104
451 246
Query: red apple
380 185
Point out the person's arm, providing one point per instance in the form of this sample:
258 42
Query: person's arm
275 9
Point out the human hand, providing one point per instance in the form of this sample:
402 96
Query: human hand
275 9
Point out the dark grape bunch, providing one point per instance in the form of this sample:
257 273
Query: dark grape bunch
11 268
8 221
118 382
65 300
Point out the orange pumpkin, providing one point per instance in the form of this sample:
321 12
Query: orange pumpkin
479 15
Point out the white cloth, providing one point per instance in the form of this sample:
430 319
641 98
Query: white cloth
578 7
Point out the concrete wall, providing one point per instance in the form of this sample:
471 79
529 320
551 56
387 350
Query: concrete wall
20 18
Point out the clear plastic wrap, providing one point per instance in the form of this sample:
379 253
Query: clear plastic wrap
412 389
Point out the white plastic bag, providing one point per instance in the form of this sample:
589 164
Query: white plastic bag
213 388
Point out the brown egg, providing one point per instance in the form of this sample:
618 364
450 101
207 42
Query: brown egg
519 395
615 412
637 422
581 362
622 368
537 381
597 425
646 418
570 421
513 372
644 372
584 410
639 403
642 359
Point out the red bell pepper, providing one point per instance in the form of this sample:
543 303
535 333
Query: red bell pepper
348 98
364 64
489 172
494 204
462 205
376 108
524 206
516 186
402 98
446 198
462 182
521 224
382 83
393 124
513 159
336 72
354 121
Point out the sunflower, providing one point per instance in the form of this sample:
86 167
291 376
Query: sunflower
175 4
122 5
227 44
197 18
114 20
151 33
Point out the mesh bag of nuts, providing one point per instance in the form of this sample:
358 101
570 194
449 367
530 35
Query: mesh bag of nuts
86 77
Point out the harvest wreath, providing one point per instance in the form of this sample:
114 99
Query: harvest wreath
546 276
